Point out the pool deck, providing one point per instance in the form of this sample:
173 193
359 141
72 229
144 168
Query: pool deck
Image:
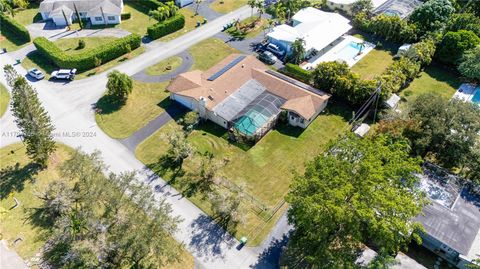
334 54
466 92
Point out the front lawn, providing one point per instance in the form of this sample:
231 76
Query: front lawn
139 20
374 63
17 182
164 67
145 103
11 43
28 16
266 169
225 6
190 24
34 59
4 99
434 79
209 52
70 45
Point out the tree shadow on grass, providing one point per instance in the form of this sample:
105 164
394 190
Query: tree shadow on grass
444 74
13 38
167 166
13 178
41 61
109 104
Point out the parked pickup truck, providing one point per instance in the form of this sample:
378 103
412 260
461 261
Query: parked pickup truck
64 74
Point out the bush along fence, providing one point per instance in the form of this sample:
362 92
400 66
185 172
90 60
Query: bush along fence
11 28
392 28
166 27
91 58
337 78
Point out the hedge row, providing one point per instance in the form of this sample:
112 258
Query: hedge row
166 27
391 28
89 59
150 4
12 28
297 72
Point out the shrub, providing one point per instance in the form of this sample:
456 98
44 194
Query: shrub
297 72
12 28
125 16
150 4
389 27
81 44
454 44
432 15
166 27
90 58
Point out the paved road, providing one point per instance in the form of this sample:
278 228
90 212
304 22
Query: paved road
70 107
187 62
9 259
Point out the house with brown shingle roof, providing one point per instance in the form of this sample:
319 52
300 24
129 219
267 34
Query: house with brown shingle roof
242 94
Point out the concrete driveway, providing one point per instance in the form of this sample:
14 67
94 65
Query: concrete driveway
52 32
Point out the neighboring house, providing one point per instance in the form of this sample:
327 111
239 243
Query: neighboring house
182 3
452 220
317 28
98 12
242 95
346 5
401 8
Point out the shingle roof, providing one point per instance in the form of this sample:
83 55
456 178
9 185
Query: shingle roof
194 84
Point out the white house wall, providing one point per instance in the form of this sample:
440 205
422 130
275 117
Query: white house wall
114 19
187 102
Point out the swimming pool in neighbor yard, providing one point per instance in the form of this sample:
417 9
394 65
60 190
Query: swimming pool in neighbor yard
476 96
345 51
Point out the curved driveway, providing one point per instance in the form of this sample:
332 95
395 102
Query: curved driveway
70 107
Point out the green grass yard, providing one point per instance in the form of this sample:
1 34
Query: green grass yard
28 16
146 102
266 169
209 52
164 67
434 79
374 63
4 99
70 45
225 6
190 24
139 21
17 222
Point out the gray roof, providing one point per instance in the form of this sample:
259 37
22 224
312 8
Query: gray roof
106 6
402 8
238 100
58 11
82 5
453 217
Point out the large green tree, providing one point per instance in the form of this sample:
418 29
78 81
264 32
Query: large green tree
359 190
432 15
464 21
455 44
31 118
365 6
446 130
106 222
470 64
119 85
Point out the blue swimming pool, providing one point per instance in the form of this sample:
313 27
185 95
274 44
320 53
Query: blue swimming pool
249 123
476 97
349 51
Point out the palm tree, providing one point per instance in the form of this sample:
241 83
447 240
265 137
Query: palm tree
297 53
260 5
6 7
361 46
172 8
197 2
252 4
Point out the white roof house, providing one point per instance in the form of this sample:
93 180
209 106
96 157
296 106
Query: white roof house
97 11
318 29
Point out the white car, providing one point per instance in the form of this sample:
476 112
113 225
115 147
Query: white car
35 73
275 50
64 74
